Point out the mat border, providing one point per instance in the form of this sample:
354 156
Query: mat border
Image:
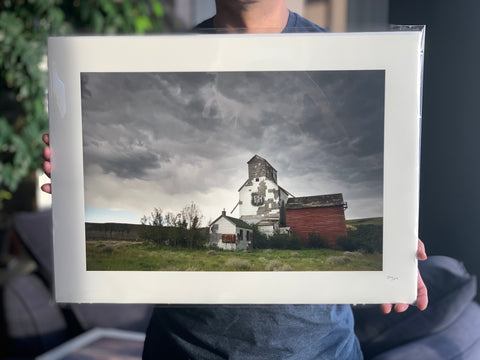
398 53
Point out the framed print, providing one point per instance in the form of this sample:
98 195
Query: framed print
99 343
238 169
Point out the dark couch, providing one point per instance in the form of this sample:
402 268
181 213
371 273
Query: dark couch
448 329
33 323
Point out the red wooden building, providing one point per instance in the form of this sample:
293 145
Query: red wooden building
322 214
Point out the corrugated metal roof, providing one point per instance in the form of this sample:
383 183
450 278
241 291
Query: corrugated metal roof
315 201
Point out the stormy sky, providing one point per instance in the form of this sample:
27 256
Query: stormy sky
166 139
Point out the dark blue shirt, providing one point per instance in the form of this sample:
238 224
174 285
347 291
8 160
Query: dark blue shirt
295 24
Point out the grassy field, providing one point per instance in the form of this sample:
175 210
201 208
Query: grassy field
378 221
126 255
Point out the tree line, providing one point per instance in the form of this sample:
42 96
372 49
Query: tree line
111 231
182 229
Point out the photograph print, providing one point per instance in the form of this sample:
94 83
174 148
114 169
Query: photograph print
234 171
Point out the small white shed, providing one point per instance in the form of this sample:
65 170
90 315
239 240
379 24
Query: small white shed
229 233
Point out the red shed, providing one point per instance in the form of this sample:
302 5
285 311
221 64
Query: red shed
322 214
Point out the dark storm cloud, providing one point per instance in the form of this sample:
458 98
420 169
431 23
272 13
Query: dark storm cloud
124 159
186 130
344 112
328 123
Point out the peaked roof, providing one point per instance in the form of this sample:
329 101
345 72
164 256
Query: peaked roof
235 221
262 159
315 201
285 191
238 222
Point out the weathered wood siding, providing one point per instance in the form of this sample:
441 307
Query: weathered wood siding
328 222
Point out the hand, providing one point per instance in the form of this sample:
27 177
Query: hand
47 165
422 293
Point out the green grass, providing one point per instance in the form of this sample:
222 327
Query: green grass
124 255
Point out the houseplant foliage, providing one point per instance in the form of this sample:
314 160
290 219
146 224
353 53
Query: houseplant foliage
116 16
24 28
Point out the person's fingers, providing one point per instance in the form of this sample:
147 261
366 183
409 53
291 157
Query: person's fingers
421 253
400 307
47 167
47 153
46 139
46 188
386 308
422 294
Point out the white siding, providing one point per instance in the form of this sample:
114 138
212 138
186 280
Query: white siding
227 246
225 226
245 196
267 229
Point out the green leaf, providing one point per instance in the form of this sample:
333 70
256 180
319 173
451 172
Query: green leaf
6 132
142 24
157 8
5 195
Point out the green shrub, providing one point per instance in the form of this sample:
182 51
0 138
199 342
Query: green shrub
175 237
346 243
284 242
365 238
315 241
260 240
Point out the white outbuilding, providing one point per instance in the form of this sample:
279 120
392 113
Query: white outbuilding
229 233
